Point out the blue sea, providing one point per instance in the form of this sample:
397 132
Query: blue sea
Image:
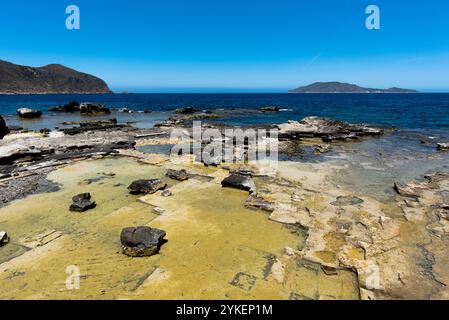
402 111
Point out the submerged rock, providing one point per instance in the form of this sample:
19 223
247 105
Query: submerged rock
180 175
443 146
82 203
93 108
167 193
327 129
270 109
323 148
146 186
347 201
3 128
27 113
141 241
405 190
4 239
256 202
188 110
240 182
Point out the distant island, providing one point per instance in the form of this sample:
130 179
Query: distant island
50 79
340 87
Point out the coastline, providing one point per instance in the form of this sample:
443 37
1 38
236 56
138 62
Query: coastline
322 229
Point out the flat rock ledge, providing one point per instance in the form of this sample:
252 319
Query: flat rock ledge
141 241
328 130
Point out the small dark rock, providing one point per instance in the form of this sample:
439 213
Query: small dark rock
180 175
141 241
146 186
69 107
93 108
240 182
82 203
167 193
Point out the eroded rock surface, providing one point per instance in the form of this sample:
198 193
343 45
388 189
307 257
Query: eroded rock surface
327 129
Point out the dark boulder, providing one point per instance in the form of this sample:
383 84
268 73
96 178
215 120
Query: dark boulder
26 113
146 186
240 182
82 203
93 109
180 175
3 128
141 241
69 107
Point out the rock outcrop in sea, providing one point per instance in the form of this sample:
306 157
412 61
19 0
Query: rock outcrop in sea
327 129
27 113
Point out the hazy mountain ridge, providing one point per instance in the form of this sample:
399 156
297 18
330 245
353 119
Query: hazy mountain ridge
53 78
340 87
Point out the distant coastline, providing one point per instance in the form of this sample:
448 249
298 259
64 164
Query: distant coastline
340 87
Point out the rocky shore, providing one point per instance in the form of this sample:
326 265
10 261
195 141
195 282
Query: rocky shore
357 246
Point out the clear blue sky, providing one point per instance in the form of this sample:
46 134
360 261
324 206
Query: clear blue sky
228 45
